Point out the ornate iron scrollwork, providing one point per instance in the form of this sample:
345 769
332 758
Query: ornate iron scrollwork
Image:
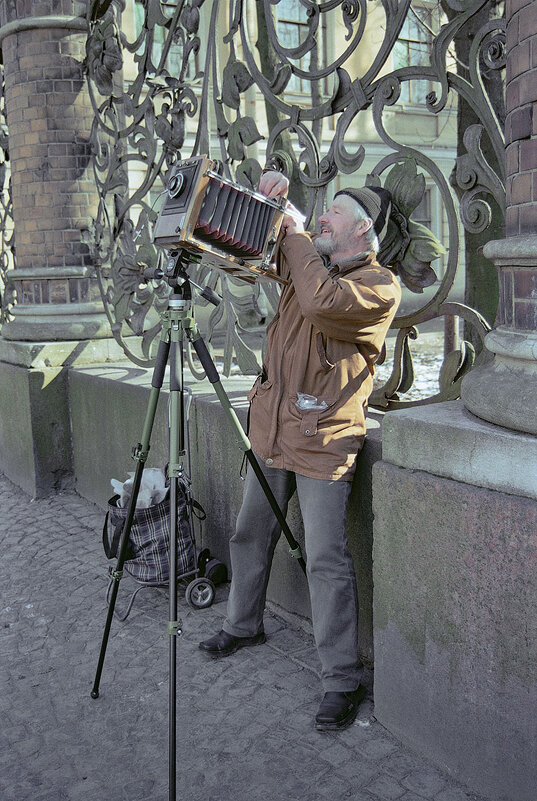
149 115
7 235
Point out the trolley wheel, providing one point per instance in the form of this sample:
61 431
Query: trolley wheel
200 593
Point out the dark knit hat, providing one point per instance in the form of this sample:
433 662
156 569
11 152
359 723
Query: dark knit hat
376 202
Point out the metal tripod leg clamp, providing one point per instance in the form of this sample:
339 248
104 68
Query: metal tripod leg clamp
115 575
175 628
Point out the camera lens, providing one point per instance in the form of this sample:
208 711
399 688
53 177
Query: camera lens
176 184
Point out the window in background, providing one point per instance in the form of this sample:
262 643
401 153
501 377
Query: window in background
292 30
174 60
412 49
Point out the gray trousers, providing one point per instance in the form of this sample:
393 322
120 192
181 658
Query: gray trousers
330 569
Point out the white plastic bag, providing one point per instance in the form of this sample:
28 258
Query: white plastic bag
152 488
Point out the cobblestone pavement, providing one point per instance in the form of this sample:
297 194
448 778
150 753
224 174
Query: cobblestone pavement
244 724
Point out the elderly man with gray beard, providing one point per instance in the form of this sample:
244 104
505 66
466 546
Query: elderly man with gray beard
307 426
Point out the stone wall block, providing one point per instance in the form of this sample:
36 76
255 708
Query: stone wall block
528 86
511 221
455 627
520 123
512 6
527 218
527 21
35 438
528 154
520 60
506 297
521 188
512 93
512 158
525 315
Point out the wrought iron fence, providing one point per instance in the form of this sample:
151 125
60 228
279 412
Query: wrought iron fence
7 236
184 79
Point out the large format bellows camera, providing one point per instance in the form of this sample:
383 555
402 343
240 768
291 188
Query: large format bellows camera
231 228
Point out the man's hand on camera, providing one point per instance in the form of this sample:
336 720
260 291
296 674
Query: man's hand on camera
273 184
293 221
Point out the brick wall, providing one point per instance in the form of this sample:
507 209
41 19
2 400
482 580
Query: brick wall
521 121
49 118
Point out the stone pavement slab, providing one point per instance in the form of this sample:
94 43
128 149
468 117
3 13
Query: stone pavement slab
244 724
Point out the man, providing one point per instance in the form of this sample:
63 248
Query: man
307 425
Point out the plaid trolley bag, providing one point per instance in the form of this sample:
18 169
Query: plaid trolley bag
147 556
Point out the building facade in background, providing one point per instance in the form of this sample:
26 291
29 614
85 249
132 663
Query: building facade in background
334 95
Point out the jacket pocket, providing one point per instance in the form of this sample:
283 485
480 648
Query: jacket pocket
258 388
311 418
309 423
331 351
320 343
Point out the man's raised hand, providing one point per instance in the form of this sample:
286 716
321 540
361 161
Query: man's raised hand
273 184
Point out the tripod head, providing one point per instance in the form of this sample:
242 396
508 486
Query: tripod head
176 276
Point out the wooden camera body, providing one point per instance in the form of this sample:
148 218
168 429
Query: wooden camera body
232 228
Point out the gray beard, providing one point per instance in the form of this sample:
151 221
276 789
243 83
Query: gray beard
326 247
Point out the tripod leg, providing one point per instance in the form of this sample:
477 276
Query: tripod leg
140 454
177 450
244 443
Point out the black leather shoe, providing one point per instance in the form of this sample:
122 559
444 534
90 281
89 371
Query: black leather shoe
339 709
224 644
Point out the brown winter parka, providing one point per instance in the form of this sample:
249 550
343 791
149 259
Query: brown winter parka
326 336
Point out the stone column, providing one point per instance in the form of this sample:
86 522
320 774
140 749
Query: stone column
505 390
58 320
455 504
49 118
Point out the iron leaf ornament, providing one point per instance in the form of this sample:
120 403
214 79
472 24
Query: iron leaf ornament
408 247
103 53
241 133
236 80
